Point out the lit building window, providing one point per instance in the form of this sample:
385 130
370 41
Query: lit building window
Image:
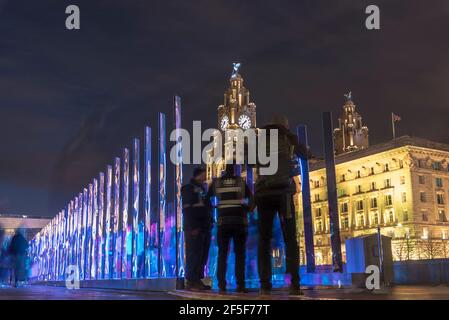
425 217
360 205
402 180
319 226
439 182
404 197
436 165
425 233
388 200
344 207
442 216
421 163
318 212
387 183
444 234
422 196
373 203
391 217
375 219
405 215
345 222
440 198
421 179
360 220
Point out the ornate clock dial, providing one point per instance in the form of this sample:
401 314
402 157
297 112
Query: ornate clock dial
224 122
244 121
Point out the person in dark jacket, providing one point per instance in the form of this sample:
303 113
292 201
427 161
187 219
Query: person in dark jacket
18 249
274 195
197 230
231 192
4 267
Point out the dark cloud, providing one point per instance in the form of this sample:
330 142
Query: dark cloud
70 100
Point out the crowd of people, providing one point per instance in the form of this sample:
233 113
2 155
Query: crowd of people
13 259
233 199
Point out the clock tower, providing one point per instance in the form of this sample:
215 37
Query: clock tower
237 111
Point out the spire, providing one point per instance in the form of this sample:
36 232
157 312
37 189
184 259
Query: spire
351 134
237 109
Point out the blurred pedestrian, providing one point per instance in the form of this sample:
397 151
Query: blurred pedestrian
18 249
4 266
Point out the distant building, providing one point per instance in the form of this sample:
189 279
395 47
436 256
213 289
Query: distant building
30 224
402 186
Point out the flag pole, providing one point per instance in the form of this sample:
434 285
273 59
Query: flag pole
392 125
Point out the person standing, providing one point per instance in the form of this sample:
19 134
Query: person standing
197 229
18 251
274 195
231 191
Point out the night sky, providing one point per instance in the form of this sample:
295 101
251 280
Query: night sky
70 100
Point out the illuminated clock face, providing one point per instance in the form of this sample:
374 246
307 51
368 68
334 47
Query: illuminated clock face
224 122
244 121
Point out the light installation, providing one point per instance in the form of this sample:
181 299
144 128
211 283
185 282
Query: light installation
107 231
162 206
100 229
179 263
138 218
151 246
113 230
116 237
126 219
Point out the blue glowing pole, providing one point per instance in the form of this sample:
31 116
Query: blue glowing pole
87 273
100 228
162 192
71 228
138 253
126 220
108 242
74 242
84 235
62 246
151 231
177 188
117 239
94 249
66 242
50 250
57 246
80 231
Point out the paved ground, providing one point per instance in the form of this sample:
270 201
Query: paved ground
395 293
59 293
